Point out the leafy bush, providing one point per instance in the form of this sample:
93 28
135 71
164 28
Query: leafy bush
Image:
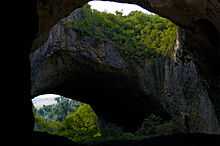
82 124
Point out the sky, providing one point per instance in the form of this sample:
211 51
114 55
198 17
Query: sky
46 99
112 7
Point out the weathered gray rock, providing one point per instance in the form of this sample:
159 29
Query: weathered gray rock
179 86
181 91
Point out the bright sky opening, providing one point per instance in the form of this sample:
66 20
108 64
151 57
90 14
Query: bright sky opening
46 99
112 7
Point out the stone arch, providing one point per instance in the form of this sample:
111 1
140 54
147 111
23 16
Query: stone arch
202 24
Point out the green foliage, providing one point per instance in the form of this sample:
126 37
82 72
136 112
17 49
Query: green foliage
82 124
65 106
137 35
40 123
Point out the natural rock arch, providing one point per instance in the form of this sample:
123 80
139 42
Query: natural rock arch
187 15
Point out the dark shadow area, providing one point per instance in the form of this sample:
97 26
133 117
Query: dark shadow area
29 30
204 43
171 140
206 48
40 138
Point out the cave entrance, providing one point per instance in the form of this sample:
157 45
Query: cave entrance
68 90
109 82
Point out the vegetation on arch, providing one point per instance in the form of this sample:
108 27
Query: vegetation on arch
137 35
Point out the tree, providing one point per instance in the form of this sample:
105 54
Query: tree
59 110
63 107
82 124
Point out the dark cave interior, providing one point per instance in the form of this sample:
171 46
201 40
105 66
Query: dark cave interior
207 38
